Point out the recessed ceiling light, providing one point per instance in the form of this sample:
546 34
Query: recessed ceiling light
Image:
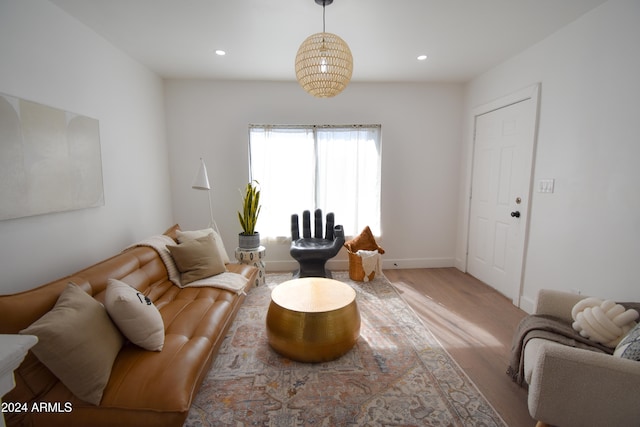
422 57
220 52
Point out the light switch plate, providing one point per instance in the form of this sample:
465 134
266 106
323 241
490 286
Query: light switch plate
546 185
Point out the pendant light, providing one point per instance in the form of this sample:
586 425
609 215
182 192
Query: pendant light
324 63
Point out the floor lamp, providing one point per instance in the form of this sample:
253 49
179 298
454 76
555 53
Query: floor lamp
202 183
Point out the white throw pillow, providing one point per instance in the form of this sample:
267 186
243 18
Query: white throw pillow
601 321
184 236
135 315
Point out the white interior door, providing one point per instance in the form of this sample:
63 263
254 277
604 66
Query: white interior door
500 193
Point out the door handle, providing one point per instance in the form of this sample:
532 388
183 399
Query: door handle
515 214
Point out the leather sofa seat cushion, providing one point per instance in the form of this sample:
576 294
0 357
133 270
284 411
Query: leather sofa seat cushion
162 380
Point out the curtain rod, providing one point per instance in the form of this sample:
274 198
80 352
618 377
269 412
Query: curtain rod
252 126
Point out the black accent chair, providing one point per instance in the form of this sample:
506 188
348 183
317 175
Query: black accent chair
312 253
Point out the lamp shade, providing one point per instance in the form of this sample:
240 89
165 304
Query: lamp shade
202 180
324 65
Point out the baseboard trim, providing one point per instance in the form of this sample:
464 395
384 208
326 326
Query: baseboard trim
527 304
392 264
275 266
387 264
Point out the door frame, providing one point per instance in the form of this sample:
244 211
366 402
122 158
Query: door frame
530 92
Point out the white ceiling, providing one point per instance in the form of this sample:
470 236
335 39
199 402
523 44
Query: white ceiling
463 38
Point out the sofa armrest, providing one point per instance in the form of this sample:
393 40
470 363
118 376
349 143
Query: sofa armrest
557 303
575 387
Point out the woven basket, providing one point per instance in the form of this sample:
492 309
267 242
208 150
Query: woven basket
356 272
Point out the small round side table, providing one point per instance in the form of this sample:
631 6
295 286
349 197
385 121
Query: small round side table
254 257
313 319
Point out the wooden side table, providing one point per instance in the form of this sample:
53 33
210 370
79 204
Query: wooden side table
13 349
254 257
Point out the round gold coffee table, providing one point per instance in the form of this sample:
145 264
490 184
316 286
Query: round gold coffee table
313 319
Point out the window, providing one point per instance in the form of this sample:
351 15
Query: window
334 168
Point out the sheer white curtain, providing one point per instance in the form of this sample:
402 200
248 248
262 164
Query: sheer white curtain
349 176
334 168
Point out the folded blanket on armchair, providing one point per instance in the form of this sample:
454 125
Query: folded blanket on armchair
549 328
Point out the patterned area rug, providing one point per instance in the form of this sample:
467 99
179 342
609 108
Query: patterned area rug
396 375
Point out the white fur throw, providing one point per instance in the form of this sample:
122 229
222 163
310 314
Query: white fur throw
370 262
602 321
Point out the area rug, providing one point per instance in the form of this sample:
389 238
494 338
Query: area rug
397 374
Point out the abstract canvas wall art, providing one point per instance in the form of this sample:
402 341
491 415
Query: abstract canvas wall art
50 160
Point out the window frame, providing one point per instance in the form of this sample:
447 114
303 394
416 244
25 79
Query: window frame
372 133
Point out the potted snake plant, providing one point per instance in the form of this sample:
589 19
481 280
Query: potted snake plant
249 238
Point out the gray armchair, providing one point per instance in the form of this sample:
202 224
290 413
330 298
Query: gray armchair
312 253
575 387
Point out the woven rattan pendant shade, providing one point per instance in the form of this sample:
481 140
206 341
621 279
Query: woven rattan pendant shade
324 65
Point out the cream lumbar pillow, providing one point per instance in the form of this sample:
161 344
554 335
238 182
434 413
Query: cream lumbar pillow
197 259
184 236
78 342
601 321
135 315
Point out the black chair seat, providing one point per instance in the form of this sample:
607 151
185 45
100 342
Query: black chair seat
311 244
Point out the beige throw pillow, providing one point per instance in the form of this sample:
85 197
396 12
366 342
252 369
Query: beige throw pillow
197 259
184 236
78 343
135 315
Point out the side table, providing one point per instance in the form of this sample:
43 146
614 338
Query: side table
13 349
313 319
254 257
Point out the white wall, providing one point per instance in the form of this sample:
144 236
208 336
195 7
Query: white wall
421 139
586 235
50 58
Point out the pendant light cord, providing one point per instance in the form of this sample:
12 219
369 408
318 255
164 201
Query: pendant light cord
323 16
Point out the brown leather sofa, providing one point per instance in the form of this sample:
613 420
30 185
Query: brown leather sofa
146 388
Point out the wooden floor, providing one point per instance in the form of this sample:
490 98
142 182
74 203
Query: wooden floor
475 324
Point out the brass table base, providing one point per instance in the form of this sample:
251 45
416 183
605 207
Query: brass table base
313 319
